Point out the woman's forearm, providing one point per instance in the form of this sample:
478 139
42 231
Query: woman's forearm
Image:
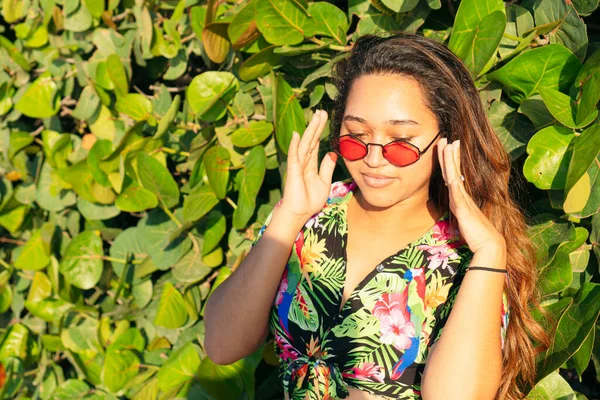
237 312
466 362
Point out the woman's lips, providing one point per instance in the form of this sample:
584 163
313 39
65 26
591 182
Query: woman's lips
377 182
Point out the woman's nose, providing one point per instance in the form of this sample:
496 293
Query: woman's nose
374 156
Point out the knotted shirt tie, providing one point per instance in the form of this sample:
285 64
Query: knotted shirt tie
324 376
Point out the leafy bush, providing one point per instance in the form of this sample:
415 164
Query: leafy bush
143 144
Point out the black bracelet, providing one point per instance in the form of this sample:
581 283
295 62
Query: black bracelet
489 269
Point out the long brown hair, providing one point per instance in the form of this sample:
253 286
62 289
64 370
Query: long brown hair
451 95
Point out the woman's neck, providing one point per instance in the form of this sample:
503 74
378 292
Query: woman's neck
406 215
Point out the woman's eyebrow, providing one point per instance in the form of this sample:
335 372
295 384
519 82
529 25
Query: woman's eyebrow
390 122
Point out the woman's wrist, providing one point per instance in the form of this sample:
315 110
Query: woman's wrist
492 256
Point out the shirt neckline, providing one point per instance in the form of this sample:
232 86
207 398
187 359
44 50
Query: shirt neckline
351 185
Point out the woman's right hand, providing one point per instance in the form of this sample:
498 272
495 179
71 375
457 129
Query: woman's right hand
306 189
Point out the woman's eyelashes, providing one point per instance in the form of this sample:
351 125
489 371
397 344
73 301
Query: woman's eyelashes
392 139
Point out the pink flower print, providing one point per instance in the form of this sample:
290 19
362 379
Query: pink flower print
365 371
440 254
340 189
288 352
396 330
389 302
313 222
442 231
283 285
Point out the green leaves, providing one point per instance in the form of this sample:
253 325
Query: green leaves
181 367
158 180
284 21
199 203
252 179
135 105
551 66
477 31
255 133
171 312
289 116
82 262
209 92
159 132
217 163
548 160
41 99
573 327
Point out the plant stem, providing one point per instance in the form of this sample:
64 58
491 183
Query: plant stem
231 203
170 214
511 37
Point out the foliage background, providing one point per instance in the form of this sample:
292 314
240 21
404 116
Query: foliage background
143 144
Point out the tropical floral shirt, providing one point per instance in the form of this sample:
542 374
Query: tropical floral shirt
379 341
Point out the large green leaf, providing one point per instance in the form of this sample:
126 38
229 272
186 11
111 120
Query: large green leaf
94 211
135 105
82 262
116 71
547 234
157 229
564 109
331 21
135 198
199 203
157 179
119 368
215 229
190 267
513 128
242 30
586 147
549 157
284 21
259 64
557 275
253 176
255 133
589 78
478 28
41 99
573 328
50 310
289 116
210 92
171 312
552 387
222 381
568 28
217 162
131 242
35 254
552 66
181 367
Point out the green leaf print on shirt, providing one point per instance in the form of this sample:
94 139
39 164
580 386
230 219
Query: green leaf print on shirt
360 324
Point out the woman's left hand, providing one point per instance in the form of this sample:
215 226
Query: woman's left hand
475 228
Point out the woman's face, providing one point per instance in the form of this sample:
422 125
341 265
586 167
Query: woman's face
373 101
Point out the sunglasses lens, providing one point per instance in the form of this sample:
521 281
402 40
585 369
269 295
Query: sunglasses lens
351 149
397 153
400 153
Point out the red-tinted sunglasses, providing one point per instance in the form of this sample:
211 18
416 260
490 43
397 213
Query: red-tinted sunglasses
398 152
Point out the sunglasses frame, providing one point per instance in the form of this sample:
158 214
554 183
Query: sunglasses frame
383 146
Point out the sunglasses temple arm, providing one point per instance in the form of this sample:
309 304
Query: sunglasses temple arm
429 145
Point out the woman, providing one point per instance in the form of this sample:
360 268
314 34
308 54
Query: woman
356 279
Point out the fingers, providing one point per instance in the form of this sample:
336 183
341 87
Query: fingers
307 138
328 166
314 149
440 149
